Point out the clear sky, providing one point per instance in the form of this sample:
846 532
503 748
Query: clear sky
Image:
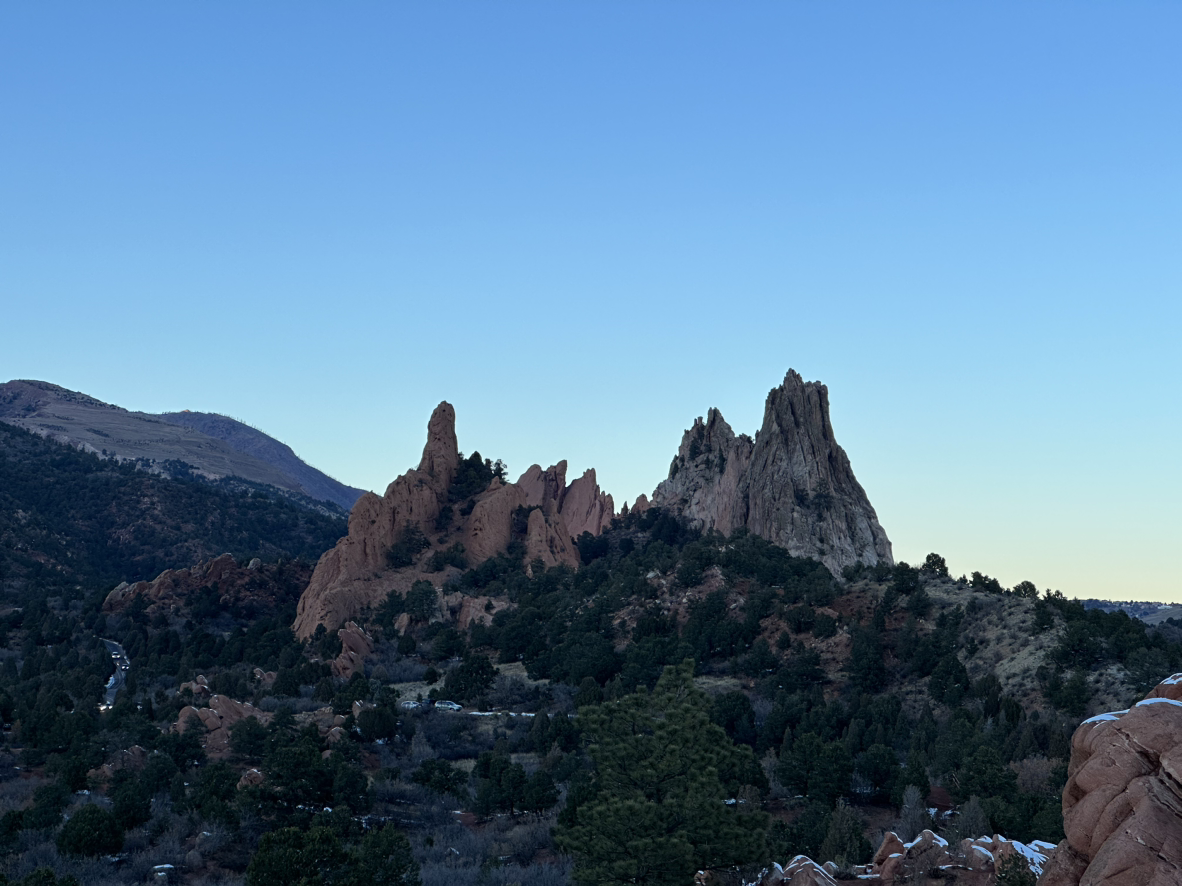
586 223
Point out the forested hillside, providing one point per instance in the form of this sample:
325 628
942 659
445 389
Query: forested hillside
73 523
809 714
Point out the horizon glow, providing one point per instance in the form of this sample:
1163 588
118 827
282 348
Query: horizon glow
584 225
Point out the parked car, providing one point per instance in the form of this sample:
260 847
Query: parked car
448 706
409 705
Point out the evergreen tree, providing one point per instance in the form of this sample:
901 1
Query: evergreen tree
658 810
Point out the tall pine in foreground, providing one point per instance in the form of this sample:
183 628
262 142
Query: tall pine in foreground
658 810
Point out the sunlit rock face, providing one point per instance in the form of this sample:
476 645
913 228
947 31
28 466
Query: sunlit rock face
793 484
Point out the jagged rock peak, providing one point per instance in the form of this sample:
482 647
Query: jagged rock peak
583 506
544 489
358 572
441 453
793 484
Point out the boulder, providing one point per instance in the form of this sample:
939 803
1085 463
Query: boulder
467 611
217 719
133 758
1122 804
250 778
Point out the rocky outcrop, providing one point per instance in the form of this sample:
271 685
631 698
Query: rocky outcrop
544 489
343 583
171 586
927 858
583 506
490 525
1122 805
549 541
793 484
586 507
170 592
355 574
133 758
356 645
217 719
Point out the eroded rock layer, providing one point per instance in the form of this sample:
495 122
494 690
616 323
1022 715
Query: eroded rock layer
793 484
1122 805
357 574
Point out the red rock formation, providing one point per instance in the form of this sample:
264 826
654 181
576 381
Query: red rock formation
343 584
792 484
217 719
168 593
1122 805
489 527
355 575
585 507
549 540
356 645
250 778
171 585
133 758
544 489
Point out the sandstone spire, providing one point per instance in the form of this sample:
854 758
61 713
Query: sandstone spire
441 454
792 484
356 573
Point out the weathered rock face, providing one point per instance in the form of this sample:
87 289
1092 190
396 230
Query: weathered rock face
356 645
355 574
1122 805
792 484
583 506
490 525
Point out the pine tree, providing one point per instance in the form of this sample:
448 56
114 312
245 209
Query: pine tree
658 809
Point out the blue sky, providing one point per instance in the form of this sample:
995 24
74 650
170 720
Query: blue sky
586 223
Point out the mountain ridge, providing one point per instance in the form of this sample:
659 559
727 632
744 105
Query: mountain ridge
228 449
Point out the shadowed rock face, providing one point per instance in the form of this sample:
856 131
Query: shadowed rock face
1122 805
793 484
355 574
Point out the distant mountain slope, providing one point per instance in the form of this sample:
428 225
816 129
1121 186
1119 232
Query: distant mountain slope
1150 613
68 519
255 443
151 441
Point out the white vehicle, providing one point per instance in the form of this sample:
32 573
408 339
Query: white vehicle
409 705
448 706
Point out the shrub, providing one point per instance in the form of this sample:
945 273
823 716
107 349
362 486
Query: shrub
91 831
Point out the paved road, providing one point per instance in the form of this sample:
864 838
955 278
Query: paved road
118 679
